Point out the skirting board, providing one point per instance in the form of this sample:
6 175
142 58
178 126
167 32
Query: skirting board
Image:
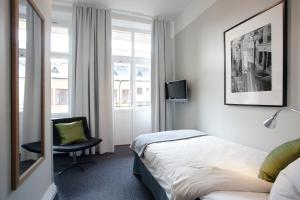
50 193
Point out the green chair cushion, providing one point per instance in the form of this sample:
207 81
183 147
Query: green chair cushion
278 159
71 132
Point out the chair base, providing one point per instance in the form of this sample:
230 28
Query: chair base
70 167
75 164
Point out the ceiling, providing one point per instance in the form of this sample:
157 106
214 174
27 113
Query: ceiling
160 8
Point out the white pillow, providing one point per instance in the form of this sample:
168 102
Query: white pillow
287 184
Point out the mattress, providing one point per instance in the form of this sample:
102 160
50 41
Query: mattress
164 159
227 195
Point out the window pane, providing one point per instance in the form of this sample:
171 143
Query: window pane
122 96
142 45
121 43
61 97
21 82
59 85
60 39
22 33
143 85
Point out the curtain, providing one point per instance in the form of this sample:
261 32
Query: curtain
30 123
92 73
161 61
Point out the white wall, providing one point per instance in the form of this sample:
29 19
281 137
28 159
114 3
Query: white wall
36 185
190 12
200 60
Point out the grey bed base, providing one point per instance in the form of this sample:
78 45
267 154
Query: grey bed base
140 170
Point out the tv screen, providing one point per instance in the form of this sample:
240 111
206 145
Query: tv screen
176 90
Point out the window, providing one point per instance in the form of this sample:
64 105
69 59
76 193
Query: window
61 97
22 33
131 53
142 45
22 61
60 39
125 97
139 91
60 63
21 82
122 84
143 83
121 43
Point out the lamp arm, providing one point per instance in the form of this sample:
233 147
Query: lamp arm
291 109
275 115
271 122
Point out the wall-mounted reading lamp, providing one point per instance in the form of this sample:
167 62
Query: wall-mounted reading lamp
271 122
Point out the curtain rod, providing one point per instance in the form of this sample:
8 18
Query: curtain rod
124 12
117 11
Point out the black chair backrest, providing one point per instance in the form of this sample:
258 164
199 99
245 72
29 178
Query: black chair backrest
56 139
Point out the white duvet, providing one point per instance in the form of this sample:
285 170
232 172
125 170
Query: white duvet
191 168
229 195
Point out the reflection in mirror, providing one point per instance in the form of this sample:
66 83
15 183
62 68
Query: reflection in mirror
29 85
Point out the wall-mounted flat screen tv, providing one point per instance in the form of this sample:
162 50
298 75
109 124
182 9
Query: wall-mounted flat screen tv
177 91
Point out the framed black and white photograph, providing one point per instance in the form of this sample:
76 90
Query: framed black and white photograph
256 60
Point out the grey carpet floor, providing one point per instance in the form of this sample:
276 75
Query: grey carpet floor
108 177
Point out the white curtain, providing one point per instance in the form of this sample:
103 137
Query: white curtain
92 73
161 61
31 117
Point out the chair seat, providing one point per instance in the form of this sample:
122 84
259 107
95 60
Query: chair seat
77 146
34 147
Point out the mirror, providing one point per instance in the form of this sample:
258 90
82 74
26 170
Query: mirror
27 89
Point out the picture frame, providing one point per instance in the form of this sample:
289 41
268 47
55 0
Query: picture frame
255 59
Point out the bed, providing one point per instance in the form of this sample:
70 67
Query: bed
204 167
230 195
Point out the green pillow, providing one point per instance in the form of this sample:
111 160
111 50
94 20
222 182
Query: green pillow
278 159
71 132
